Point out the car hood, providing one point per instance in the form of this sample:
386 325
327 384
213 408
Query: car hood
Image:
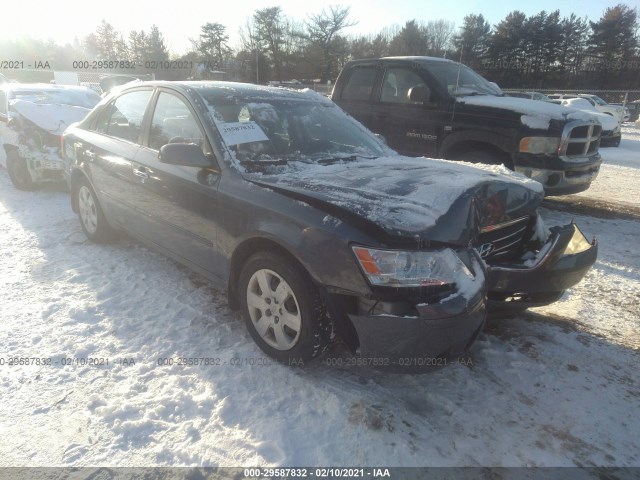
534 114
412 198
54 118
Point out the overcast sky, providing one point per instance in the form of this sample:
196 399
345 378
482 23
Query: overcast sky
180 20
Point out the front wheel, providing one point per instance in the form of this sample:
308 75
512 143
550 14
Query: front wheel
92 219
19 172
282 309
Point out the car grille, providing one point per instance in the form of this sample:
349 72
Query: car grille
580 139
504 241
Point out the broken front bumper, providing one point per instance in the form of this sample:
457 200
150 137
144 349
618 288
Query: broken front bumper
407 337
561 263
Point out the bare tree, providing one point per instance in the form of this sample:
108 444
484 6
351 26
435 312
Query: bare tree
323 33
439 34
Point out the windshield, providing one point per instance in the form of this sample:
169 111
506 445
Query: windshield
467 83
598 100
77 98
282 129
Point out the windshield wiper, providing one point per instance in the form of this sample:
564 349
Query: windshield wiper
345 158
262 163
471 93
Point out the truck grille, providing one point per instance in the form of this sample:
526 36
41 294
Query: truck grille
580 139
503 241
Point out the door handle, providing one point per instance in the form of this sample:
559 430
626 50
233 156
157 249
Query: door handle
141 173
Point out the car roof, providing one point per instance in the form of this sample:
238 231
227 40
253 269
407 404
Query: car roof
412 58
226 88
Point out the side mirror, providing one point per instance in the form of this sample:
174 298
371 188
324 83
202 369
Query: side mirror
420 93
186 154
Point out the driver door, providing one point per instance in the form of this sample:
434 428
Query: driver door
179 201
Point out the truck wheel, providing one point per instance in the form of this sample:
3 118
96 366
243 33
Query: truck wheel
19 172
93 222
282 309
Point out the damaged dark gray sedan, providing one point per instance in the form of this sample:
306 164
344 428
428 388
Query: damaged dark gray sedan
315 227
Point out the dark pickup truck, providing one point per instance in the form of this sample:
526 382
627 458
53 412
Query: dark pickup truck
438 108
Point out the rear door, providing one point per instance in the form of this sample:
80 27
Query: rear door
358 92
108 149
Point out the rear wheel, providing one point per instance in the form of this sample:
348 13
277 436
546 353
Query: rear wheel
19 172
93 222
282 309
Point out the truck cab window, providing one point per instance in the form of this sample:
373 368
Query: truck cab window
360 84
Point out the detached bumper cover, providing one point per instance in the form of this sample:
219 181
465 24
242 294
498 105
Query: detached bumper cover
562 262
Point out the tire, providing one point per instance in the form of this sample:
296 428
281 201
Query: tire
19 172
282 309
92 219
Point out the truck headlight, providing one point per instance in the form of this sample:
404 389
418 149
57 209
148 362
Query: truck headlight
537 145
396 268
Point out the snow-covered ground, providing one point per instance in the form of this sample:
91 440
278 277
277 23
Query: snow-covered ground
557 386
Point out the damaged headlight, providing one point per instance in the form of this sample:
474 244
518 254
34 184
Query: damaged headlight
538 145
395 268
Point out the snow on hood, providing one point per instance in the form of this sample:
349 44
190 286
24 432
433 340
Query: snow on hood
53 118
535 113
402 195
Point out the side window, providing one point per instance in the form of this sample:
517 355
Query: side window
360 83
397 84
123 118
102 124
173 122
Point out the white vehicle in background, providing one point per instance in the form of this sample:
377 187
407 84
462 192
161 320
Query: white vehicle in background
617 111
32 119
611 131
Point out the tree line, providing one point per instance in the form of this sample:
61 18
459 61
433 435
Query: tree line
539 51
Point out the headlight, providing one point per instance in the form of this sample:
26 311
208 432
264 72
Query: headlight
538 145
394 268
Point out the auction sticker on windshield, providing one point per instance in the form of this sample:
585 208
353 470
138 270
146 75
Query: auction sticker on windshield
235 133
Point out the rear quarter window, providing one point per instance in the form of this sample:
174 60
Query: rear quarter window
359 85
